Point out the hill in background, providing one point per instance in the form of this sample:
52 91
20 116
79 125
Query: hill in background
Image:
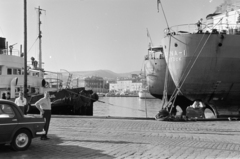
102 73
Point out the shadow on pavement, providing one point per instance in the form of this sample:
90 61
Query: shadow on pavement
107 141
53 148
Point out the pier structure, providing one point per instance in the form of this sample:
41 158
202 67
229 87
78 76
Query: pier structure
129 138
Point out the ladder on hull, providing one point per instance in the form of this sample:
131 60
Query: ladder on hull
69 81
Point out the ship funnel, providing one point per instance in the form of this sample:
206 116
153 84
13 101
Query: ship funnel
13 85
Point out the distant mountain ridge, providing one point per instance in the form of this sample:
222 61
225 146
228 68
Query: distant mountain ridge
103 73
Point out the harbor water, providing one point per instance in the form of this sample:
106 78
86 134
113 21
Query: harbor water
126 107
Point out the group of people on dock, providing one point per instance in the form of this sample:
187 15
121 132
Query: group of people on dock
6 97
43 105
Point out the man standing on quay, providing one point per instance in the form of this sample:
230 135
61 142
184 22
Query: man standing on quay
21 102
44 106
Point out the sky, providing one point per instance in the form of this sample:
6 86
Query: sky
84 35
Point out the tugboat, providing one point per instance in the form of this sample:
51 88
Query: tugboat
65 100
204 60
12 73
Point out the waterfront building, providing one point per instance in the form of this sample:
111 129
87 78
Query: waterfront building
125 86
94 83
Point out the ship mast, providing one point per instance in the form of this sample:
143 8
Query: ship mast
25 48
40 36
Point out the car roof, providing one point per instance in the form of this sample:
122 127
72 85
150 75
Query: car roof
4 101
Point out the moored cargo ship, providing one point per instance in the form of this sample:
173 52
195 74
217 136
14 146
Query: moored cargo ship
155 71
204 61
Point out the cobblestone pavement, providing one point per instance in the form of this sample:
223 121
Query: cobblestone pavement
140 139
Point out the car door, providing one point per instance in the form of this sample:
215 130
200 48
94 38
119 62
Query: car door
8 122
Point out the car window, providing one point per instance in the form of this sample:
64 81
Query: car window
6 111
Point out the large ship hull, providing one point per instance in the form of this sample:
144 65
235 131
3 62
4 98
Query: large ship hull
206 67
155 70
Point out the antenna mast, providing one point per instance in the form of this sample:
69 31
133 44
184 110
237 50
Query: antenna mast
40 35
148 35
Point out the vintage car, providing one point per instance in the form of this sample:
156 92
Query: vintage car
16 128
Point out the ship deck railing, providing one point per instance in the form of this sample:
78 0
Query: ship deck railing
10 53
154 55
223 28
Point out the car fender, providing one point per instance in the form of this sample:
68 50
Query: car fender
16 130
22 128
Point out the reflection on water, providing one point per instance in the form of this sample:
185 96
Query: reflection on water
126 107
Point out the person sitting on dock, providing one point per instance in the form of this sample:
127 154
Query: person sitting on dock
197 104
196 110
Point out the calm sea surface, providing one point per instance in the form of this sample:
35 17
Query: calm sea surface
126 107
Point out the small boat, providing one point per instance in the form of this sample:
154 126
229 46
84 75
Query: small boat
145 94
101 94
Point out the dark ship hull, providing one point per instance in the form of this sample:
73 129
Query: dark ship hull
206 67
77 101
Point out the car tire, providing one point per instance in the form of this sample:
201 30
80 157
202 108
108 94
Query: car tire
21 140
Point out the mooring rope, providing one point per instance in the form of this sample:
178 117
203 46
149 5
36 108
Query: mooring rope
104 101
32 45
165 98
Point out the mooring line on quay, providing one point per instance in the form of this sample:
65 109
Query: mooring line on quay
104 101
176 120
